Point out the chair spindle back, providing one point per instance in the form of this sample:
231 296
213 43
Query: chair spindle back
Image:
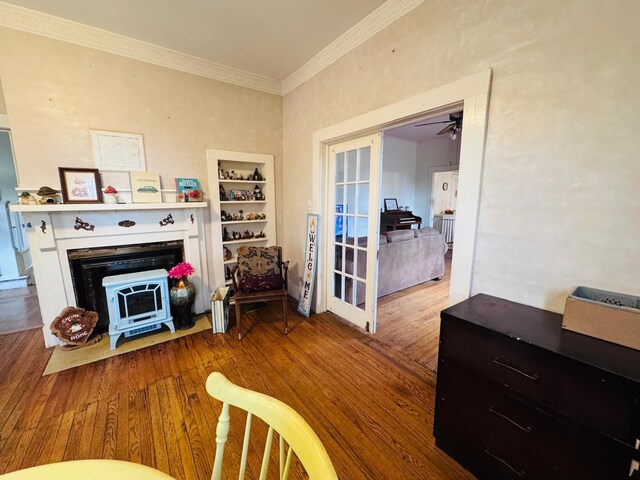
295 435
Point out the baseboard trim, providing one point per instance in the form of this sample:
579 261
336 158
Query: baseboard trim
11 283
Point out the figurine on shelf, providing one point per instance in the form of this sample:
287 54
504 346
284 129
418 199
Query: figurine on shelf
251 216
27 199
47 195
235 235
232 176
220 172
223 216
227 273
227 253
260 235
257 193
110 195
256 175
240 215
225 235
223 193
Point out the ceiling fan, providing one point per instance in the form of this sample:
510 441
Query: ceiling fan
453 127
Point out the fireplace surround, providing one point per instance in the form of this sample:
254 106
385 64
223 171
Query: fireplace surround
55 230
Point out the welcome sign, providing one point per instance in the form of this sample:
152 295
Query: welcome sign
309 269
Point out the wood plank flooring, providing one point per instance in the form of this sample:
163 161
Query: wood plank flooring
409 320
369 402
19 310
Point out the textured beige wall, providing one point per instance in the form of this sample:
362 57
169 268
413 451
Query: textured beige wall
55 92
560 202
3 105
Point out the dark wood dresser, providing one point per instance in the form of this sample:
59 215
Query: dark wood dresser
517 397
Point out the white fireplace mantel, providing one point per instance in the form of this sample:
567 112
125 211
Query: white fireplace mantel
54 229
102 207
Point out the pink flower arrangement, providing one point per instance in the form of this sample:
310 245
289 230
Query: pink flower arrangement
181 270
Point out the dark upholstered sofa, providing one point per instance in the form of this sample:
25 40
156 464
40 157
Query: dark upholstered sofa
407 258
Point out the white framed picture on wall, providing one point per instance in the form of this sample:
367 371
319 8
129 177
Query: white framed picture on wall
118 151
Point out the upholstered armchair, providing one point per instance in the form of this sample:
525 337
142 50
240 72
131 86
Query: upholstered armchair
259 276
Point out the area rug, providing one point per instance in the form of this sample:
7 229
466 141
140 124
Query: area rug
64 359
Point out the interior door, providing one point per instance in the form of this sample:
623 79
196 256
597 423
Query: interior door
352 235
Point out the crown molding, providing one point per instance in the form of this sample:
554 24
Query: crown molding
380 18
31 21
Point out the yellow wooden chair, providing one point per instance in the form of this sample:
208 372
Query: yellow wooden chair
296 436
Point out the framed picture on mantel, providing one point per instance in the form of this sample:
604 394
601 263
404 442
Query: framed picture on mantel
145 187
118 151
80 185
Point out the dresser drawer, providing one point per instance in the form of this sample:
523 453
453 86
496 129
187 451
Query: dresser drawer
591 396
511 438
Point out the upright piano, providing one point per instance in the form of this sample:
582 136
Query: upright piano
398 220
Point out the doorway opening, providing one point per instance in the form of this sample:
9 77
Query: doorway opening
420 170
20 310
470 94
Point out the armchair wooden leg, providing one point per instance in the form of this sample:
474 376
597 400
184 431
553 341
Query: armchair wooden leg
238 317
286 324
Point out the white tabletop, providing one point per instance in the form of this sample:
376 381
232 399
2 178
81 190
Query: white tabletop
90 470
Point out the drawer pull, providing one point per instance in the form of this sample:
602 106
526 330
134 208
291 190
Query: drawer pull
520 473
493 410
502 363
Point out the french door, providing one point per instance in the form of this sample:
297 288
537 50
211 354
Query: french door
352 234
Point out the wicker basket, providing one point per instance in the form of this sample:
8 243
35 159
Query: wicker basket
610 316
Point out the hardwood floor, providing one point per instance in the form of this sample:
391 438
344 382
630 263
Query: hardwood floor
19 310
368 401
409 321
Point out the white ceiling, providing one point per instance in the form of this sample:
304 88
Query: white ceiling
272 38
421 134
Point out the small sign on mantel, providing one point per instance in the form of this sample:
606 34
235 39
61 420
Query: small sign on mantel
188 190
145 187
309 264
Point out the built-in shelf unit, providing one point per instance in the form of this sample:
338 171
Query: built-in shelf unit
242 164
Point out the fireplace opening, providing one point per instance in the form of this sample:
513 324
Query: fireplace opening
90 265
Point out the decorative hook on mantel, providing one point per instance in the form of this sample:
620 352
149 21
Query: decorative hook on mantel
193 220
83 225
43 226
166 220
127 223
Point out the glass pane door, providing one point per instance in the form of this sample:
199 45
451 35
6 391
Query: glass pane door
353 234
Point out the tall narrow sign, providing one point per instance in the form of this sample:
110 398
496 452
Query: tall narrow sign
309 268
